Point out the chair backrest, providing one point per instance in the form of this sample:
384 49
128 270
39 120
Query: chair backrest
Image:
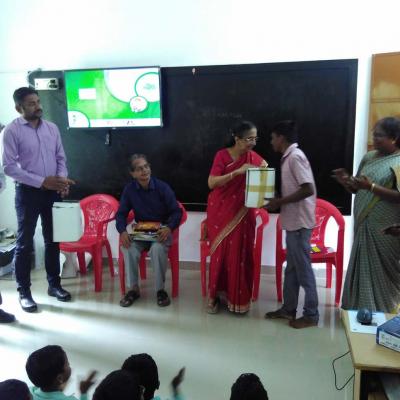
263 214
98 208
131 217
323 212
184 214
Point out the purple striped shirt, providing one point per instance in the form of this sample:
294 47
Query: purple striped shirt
295 171
32 154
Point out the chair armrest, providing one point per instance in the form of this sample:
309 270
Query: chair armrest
108 220
101 225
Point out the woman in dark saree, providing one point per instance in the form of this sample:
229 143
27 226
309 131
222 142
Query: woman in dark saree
373 274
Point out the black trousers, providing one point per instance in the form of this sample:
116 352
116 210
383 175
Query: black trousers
31 202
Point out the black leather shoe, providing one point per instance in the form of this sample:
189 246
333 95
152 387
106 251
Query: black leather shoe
6 317
27 302
60 293
163 298
281 313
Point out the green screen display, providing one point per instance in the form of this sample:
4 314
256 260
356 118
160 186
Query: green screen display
107 98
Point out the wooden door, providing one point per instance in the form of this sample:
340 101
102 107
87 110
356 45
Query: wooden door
385 89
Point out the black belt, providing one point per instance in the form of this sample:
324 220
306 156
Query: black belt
23 186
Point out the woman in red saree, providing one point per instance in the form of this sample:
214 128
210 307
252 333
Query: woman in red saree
231 225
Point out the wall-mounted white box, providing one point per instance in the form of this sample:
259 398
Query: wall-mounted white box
46 83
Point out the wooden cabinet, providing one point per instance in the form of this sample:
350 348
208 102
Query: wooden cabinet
385 89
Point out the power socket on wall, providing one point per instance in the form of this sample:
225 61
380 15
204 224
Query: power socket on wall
46 84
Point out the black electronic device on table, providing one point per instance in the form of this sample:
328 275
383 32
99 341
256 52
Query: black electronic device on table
364 316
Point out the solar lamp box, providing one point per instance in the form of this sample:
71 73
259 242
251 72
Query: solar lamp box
388 334
260 185
67 221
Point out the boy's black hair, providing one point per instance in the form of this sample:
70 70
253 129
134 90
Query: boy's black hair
119 384
44 365
288 129
248 387
144 366
13 389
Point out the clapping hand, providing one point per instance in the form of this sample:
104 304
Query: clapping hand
340 172
177 380
341 175
393 230
87 383
362 183
345 179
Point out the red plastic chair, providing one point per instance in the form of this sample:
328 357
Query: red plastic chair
98 211
205 252
173 256
324 211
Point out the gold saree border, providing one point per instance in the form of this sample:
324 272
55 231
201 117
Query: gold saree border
228 229
237 308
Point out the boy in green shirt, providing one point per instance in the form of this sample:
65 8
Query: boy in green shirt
49 370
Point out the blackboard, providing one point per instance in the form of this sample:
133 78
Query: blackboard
200 104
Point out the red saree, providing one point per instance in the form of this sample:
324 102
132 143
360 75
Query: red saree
231 230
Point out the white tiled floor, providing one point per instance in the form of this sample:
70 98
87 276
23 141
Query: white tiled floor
97 333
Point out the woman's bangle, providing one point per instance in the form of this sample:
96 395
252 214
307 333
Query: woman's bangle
371 189
231 175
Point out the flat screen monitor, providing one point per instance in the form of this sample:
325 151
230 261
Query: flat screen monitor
113 98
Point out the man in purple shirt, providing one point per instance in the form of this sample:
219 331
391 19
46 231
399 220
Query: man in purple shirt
298 219
34 157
